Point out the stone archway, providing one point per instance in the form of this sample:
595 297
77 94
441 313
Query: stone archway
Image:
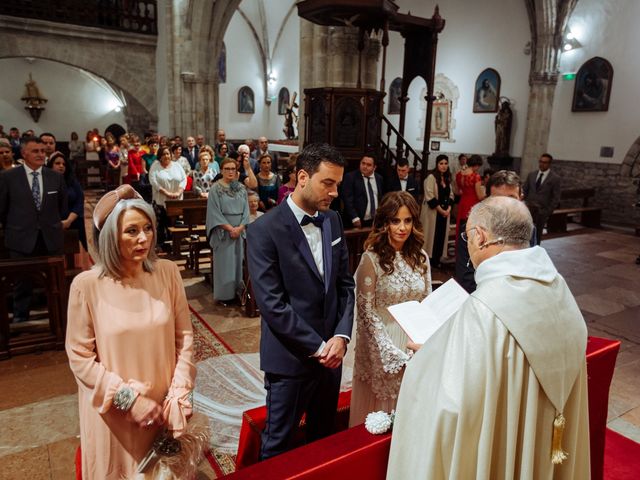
97 51
631 162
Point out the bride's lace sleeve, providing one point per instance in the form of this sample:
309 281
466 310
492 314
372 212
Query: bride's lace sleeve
372 334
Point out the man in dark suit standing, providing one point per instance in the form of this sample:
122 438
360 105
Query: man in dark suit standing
32 202
362 191
49 142
191 152
542 192
402 181
299 267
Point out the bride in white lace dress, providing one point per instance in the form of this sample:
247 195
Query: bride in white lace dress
393 269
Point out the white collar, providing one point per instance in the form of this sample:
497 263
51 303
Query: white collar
531 263
297 211
30 170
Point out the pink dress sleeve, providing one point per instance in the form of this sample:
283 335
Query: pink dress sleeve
91 375
178 405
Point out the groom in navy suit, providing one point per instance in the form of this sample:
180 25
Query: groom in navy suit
299 268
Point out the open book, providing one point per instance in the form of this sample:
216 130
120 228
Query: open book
420 320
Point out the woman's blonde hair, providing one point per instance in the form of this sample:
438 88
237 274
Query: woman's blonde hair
107 242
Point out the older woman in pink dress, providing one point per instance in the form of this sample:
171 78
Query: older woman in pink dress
129 341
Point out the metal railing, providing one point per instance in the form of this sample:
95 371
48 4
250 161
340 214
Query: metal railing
402 149
137 16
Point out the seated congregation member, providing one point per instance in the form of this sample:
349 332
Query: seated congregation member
288 179
129 341
436 210
73 216
227 217
204 174
361 193
268 184
254 204
504 183
393 269
500 390
402 180
167 180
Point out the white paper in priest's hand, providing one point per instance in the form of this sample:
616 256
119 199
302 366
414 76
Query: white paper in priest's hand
420 320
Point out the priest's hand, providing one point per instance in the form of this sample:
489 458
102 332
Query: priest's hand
413 346
333 353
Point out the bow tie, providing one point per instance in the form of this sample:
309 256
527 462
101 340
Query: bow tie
317 220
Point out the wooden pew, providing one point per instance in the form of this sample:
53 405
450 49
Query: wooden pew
46 272
355 238
589 216
178 229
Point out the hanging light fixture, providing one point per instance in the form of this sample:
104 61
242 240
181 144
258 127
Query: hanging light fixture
33 99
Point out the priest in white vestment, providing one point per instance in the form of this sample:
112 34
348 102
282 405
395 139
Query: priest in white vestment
487 396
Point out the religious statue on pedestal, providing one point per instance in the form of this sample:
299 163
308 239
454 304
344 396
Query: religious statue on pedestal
504 118
290 118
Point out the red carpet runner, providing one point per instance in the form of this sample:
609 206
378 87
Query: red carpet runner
621 457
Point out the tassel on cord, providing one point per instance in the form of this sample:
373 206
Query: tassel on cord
557 454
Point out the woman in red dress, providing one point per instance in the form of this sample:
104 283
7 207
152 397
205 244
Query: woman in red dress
470 189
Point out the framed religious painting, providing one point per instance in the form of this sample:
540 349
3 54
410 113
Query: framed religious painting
246 101
441 119
486 92
593 86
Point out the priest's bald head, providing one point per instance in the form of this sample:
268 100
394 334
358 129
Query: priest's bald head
495 225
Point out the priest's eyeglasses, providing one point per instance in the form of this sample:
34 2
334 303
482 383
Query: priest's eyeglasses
465 235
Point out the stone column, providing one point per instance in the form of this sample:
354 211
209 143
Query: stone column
547 21
538 123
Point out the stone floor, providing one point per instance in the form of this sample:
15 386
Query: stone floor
38 406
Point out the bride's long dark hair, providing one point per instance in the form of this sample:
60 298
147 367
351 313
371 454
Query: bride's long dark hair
378 240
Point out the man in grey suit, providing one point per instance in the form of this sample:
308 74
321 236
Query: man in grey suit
32 202
542 192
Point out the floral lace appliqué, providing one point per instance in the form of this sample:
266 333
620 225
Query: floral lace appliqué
378 361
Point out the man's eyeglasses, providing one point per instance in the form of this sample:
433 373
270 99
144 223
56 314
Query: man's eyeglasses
229 169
